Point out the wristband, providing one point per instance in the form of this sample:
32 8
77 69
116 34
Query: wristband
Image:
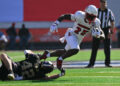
56 22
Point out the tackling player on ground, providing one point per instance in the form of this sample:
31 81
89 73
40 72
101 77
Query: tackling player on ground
84 22
29 69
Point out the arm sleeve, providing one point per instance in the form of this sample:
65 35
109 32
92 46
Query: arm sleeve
64 17
72 17
112 18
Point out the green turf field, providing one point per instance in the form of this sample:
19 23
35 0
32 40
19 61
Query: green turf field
74 77
83 55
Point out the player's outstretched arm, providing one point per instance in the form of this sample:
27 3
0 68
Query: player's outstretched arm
54 26
55 76
64 17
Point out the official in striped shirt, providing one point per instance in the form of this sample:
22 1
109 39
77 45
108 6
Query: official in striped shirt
107 24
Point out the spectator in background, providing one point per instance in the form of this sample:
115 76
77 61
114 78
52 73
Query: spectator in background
11 32
118 35
3 41
24 35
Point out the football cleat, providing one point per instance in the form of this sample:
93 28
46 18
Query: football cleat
44 56
62 72
89 66
11 76
108 65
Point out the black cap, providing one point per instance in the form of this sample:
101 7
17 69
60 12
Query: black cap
103 0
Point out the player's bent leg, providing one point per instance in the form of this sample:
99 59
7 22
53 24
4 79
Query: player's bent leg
6 61
55 53
67 54
8 64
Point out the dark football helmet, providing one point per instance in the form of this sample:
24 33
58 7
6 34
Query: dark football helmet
47 66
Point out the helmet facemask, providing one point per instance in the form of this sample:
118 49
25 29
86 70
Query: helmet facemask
90 17
47 67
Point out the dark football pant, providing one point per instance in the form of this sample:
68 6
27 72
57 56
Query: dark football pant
95 46
3 72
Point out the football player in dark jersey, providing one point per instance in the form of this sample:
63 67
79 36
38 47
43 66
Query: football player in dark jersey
29 69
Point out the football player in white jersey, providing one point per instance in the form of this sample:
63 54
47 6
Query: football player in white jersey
84 22
3 41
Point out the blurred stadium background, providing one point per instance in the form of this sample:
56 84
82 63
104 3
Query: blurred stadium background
38 15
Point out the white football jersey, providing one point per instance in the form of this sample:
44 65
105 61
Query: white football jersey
3 37
74 35
81 27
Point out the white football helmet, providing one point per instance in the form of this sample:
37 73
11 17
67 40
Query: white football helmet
91 13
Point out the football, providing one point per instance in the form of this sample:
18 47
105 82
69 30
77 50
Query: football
98 33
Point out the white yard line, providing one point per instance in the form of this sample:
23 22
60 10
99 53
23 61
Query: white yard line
60 84
92 76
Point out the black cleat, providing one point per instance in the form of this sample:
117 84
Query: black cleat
108 66
89 66
62 72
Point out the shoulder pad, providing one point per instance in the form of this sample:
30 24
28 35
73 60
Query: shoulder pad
79 14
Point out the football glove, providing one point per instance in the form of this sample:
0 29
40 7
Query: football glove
54 27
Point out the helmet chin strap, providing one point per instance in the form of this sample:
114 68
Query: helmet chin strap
87 21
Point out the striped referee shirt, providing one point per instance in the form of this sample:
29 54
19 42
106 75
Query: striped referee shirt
106 16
